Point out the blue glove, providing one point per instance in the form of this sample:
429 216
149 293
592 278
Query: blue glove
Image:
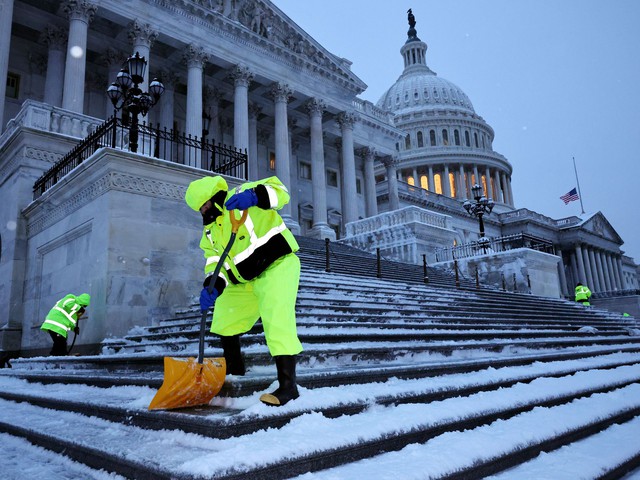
207 299
242 200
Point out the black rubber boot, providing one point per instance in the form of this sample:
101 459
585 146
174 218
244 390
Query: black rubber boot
287 389
233 355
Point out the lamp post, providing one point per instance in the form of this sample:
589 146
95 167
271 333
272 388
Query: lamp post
481 206
125 94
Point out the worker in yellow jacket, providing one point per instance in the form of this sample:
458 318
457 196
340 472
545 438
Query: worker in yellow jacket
64 317
583 294
259 278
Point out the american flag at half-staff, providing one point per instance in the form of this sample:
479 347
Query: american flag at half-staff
570 196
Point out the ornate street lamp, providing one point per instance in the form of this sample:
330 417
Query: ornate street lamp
126 95
478 209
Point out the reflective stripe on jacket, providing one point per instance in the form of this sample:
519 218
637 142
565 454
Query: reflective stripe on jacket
582 293
262 239
63 316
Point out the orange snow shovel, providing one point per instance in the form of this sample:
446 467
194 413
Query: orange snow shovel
187 382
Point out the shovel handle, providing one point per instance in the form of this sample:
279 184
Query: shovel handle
235 222
235 225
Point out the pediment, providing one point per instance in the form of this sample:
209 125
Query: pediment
599 225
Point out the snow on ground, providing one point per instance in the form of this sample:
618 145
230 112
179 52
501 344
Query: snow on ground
23 461
195 454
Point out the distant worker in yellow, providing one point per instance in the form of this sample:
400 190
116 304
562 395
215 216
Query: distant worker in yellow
64 317
259 278
583 294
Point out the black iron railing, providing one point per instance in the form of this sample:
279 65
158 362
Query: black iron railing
500 244
159 143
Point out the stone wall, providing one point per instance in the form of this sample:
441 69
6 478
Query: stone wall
116 227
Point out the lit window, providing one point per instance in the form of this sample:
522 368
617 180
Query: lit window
411 181
305 170
452 184
424 182
272 161
13 85
420 140
437 179
332 178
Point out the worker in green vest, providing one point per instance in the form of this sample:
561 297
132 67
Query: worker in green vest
583 294
259 278
64 317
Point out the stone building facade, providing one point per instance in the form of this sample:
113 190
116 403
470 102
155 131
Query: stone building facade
389 176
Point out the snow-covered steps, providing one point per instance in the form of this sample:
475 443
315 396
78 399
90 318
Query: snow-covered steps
500 423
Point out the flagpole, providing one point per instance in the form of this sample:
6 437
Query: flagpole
578 183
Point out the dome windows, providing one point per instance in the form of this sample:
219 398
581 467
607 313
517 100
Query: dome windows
445 137
420 139
467 140
456 137
432 138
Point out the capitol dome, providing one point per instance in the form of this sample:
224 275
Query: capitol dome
420 88
447 147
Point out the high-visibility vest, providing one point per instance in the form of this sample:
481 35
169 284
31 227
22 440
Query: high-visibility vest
63 316
261 240
582 293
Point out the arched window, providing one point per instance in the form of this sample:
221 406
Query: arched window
445 137
467 140
437 179
420 140
407 142
432 138
475 136
411 181
456 136
424 182
452 184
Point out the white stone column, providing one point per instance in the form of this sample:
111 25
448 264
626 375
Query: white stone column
6 18
487 175
582 272
602 258
597 283
611 272
462 189
254 111
432 180
496 183
281 93
241 77
56 39
80 14
371 202
510 190
587 268
391 163
346 120
446 184
169 79
575 278
195 57
320 229
618 267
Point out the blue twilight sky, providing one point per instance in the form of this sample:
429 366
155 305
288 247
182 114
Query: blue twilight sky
555 79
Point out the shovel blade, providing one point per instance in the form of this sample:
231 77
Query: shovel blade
188 383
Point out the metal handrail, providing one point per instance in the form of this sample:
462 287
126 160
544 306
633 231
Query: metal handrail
156 142
500 244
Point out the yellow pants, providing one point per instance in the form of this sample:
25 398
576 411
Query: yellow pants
270 296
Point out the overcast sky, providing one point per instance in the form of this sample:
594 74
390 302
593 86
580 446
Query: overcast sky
555 79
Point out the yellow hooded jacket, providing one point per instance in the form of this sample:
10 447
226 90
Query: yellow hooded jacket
262 239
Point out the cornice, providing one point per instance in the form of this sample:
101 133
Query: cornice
45 216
